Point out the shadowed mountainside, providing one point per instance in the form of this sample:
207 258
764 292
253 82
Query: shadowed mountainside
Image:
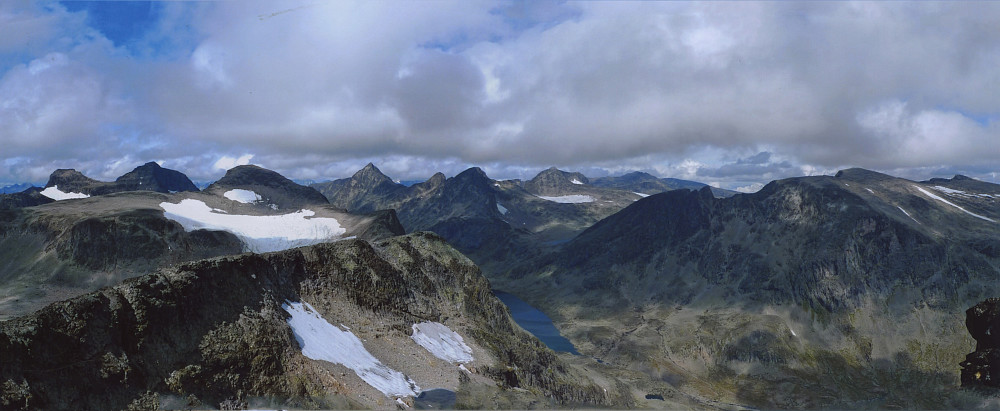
757 297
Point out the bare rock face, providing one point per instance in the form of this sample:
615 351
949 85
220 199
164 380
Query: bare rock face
982 367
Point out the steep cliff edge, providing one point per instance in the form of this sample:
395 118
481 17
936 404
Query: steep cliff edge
215 333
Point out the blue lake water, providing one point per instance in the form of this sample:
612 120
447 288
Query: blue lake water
536 323
435 399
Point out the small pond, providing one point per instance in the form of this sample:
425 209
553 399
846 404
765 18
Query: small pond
435 399
536 323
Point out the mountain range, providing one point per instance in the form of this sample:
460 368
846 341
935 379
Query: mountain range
845 291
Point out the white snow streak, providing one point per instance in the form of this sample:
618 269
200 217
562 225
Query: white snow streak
575 181
442 342
320 340
501 209
260 234
570 199
928 193
869 190
640 194
54 193
242 196
961 193
908 214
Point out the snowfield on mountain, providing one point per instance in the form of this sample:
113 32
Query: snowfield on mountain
55 194
260 234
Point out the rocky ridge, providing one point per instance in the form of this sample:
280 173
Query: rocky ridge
147 177
182 337
494 222
53 251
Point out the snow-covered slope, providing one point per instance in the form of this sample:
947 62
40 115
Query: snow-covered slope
259 233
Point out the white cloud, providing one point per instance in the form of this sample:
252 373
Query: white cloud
750 188
227 162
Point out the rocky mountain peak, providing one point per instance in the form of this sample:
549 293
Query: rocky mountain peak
861 175
69 179
436 179
274 188
473 175
252 175
554 182
152 177
370 176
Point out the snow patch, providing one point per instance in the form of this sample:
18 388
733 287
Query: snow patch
869 190
570 199
947 190
501 209
928 193
54 193
442 342
242 196
260 234
575 181
321 340
640 194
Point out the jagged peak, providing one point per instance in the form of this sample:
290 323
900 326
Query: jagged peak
371 174
472 172
437 178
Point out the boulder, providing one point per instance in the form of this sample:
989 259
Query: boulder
982 367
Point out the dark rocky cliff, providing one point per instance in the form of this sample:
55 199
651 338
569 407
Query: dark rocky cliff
982 367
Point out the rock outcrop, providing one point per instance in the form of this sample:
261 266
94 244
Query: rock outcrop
982 367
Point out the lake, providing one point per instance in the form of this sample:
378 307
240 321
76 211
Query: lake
536 323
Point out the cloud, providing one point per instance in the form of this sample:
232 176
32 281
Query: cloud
226 162
731 92
751 188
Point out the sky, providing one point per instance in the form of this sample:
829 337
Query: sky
730 94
